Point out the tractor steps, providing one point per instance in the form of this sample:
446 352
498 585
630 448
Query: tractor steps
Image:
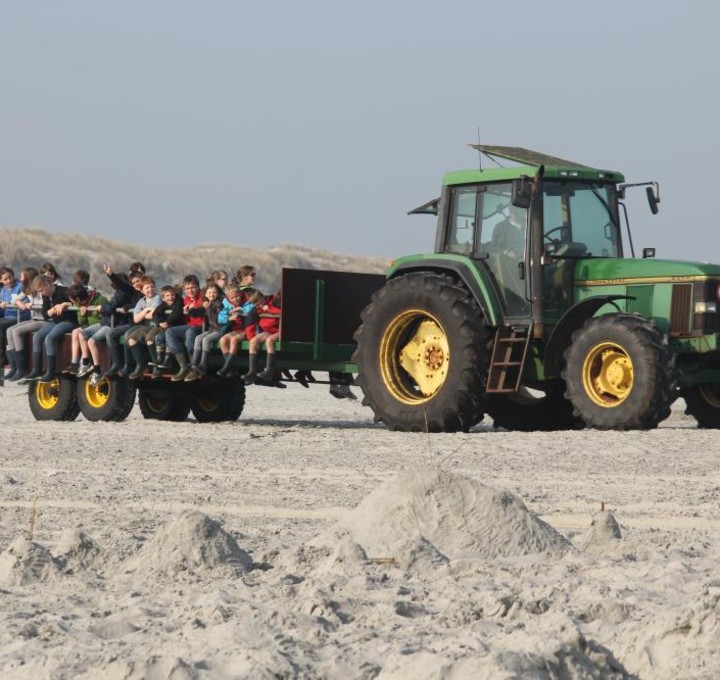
508 359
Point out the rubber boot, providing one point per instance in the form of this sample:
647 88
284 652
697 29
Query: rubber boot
116 357
269 372
227 363
184 368
20 366
249 377
51 369
194 372
13 365
141 362
158 358
129 364
164 359
37 362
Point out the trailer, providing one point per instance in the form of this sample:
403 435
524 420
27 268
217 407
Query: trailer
320 313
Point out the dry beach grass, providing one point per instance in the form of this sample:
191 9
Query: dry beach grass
67 252
304 541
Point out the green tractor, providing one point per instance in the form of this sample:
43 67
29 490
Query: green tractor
530 312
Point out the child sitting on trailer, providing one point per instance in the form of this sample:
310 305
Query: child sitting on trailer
89 304
168 313
264 328
203 343
231 318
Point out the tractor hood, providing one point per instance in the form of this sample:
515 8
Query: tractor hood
599 271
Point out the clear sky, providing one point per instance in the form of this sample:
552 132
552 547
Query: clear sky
322 123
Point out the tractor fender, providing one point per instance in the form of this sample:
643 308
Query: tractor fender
572 320
476 280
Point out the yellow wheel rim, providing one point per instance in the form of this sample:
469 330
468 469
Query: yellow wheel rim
97 395
607 374
711 394
47 394
414 357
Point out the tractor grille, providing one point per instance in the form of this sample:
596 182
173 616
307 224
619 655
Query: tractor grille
680 309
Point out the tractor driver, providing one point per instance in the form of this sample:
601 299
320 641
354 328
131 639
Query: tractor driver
509 234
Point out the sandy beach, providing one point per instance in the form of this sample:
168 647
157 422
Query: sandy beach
304 541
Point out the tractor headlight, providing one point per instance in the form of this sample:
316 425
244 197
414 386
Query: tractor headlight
705 307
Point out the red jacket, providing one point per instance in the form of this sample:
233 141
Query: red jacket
266 324
197 313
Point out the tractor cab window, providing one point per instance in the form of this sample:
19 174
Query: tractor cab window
581 220
461 234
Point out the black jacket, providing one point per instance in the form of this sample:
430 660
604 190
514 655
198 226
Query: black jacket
59 294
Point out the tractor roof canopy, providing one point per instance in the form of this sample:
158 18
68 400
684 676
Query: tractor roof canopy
529 161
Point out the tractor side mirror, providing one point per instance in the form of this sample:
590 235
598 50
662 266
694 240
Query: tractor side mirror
653 199
648 252
520 196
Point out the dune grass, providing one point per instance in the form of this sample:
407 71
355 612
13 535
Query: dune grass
20 248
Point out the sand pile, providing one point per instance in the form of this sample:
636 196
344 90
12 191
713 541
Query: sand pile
604 534
25 562
566 653
75 551
422 520
192 543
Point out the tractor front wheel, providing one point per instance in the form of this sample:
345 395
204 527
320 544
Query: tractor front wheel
618 373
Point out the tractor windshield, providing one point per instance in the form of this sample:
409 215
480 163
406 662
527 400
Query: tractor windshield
581 219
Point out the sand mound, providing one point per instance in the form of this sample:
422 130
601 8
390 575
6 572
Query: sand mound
558 651
26 562
603 534
423 518
191 543
75 551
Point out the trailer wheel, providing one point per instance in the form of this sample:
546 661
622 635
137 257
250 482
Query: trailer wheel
527 412
56 400
163 405
618 373
422 354
702 402
112 399
216 400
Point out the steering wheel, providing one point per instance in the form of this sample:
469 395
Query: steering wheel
557 241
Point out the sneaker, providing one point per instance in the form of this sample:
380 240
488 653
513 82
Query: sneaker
73 368
95 378
85 369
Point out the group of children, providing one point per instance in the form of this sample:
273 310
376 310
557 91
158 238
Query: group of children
169 331
157 326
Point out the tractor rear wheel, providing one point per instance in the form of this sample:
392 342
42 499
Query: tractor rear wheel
618 373
163 405
703 403
528 412
111 399
422 355
56 400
